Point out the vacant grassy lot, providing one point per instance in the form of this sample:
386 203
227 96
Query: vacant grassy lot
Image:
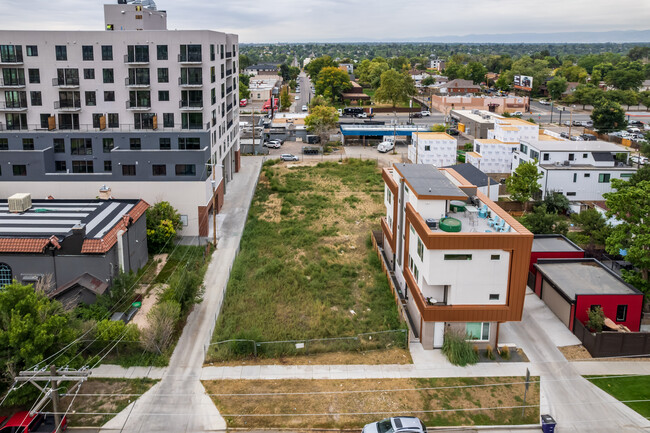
455 401
306 269
627 389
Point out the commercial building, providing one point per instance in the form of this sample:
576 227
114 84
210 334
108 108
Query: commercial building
581 170
437 148
476 123
572 287
72 249
262 69
493 104
459 87
460 261
261 87
146 111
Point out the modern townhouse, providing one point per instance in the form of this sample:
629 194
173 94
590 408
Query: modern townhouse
437 148
460 261
581 170
138 109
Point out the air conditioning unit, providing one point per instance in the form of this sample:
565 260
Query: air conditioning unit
20 202
567 163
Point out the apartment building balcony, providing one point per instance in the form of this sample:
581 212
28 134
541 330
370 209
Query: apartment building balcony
229 72
12 84
66 83
190 83
228 90
137 84
190 59
67 105
190 105
16 59
138 105
230 124
136 59
13 105
228 54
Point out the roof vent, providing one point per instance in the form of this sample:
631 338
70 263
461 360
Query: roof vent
20 202
105 193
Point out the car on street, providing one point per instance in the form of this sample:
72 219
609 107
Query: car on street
517 113
397 424
565 135
636 123
23 422
545 102
297 97
289 157
304 108
588 137
636 159
416 115
425 113
577 123
362 115
243 102
272 144
633 130
576 138
385 146
587 123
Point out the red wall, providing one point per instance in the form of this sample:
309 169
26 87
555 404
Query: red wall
609 303
534 256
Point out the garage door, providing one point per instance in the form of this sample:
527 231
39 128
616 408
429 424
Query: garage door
556 303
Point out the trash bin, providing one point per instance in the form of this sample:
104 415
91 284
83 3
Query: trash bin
548 424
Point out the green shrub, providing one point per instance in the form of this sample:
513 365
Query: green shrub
596 319
489 352
505 352
458 350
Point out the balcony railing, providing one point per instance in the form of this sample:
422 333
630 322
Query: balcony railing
228 54
190 83
32 127
67 105
66 82
229 72
16 84
13 105
190 105
136 83
190 58
136 60
229 90
15 59
138 105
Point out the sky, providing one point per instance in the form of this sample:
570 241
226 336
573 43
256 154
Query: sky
258 21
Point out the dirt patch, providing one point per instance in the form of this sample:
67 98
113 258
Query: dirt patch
148 302
272 212
378 357
574 353
343 403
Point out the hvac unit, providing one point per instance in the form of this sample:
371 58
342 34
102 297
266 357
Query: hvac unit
20 202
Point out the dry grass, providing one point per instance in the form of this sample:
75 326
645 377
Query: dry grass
392 396
573 353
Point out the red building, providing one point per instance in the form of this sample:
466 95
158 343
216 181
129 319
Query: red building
551 247
571 287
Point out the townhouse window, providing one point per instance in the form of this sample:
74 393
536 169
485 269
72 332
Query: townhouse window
585 155
109 96
107 74
87 52
91 99
626 175
534 154
478 331
4 144
81 146
108 166
60 166
570 194
523 148
107 145
603 178
113 120
89 74
458 257
59 145
97 120
135 144
571 157
162 52
189 143
34 76
621 313
163 95
20 170
420 249
494 297
31 50
163 75
159 170
165 143
546 156
168 120
107 52
128 170
36 98
61 52
185 170
587 174
495 257
427 148
82 167
28 144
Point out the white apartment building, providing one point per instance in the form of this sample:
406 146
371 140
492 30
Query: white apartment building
142 110
437 148
460 261
581 170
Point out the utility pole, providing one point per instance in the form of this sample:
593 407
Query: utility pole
551 121
55 399
570 121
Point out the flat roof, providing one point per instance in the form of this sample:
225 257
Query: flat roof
488 141
584 277
510 128
553 243
426 180
516 121
544 137
472 174
435 135
477 117
576 146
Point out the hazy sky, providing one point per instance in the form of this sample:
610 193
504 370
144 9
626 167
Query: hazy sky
353 20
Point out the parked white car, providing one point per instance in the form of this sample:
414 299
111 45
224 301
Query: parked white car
636 159
385 146
517 113
425 113
273 144
305 108
545 102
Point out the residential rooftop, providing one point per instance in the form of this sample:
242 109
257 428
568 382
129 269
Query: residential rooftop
552 244
515 121
479 116
426 180
472 174
576 146
434 136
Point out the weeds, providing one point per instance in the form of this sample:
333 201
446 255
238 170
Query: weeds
458 350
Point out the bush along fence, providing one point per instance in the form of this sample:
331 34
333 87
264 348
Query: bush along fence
240 348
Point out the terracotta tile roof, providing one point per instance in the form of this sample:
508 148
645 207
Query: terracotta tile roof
106 243
23 245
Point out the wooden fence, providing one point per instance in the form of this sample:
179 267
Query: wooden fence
611 344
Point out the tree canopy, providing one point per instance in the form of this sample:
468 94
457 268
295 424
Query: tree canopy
332 83
321 120
556 87
395 87
523 182
608 116
316 65
540 221
163 223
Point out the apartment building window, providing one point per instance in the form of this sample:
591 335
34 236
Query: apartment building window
495 257
626 175
213 96
163 75
212 53
575 177
81 146
28 144
168 120
87 52
221 51
4 144
159 170
36 98
135 144
68 121
420 249
128 170
621 313
478 331
603 178
91 99
137 53
213 75
190 53
89 74
20 170
185 170
162 52
34 76
109 96
31 50
59 145
571 157
82 167
163 95
107 145
191 76
59 166
108 166
523 148
534 154
587 174
214 121
45 121
13 76
585 155
546 156
189 143
143 120
192 120
61 52
458 257
427 148
414 269
570 194
223 72
113 120
107 52
494 297
97 120
107 75
165 143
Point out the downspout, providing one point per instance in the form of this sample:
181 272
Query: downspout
120 249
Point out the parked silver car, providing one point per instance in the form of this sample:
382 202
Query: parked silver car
398 424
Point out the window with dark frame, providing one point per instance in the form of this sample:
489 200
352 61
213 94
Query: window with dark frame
61 52
163 95
107 145
165 143
107 52
168 120
185 170
82 167
28 144
494 297
621 313
163 75
4 144
107 75
159 170
59 145
31 50
45 121
91 99
89 74
128 170
458 257
34 76
81 146
135 143
87 53
113 120
108 166
20 170
36 98
109 96
162 52
59 166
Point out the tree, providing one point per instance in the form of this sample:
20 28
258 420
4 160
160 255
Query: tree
395 87
438 127
455 70
321 120
630 204
596 320
429 81
556 87
594 226
476 72
369 72
626 76
284 72
332 82
585 94
644 99
556 202
608 116
163 223
316 65
244 82
540 221
244 61
523 182
318 100
285 99
162 318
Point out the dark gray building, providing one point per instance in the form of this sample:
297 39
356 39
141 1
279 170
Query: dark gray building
73 248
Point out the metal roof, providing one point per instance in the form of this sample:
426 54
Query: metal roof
472 174
575 146
425 179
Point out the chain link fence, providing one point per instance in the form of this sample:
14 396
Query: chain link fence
241 348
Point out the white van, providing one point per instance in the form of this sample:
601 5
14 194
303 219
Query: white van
385 146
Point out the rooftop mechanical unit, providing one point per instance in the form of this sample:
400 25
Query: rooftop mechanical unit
20 202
